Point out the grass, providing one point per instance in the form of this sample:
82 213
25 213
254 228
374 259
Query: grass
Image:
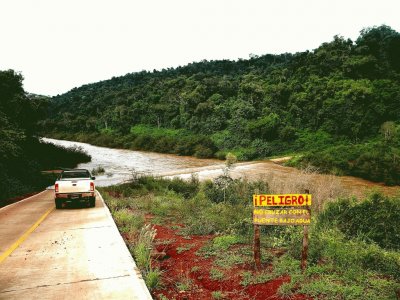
219 245
225 241
249 278
195 269
128 221
143 246
350 257
230 259
184 284
338 286
217 295
184 248
217 274
331 280
117 204
153 279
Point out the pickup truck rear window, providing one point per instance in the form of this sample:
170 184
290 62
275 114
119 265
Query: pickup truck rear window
67 175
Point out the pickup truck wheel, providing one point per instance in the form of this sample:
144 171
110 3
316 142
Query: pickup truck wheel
58 204
92 202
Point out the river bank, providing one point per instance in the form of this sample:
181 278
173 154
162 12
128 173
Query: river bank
121 165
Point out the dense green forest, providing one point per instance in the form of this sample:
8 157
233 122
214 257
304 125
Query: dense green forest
338 106
22 154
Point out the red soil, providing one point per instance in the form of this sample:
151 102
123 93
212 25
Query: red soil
187 266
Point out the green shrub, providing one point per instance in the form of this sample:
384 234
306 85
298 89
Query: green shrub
234 191
142 184
373 219
221 154
153 279
143 142
165 145
332 245
188 189
201 151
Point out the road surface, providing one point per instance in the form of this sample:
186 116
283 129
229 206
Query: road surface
73 253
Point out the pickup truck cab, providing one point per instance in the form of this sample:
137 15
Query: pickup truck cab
75 186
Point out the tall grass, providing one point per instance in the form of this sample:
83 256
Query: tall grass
142 247
323 188
128 221
141 250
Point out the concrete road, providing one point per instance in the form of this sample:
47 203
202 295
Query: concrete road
73 253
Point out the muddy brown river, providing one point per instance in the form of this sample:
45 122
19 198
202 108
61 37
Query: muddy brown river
121 164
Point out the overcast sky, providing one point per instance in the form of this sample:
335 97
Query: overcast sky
62 44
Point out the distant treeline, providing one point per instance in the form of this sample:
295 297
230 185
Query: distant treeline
338 105
22 155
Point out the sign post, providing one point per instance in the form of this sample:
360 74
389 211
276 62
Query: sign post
286 209
257 247
304 251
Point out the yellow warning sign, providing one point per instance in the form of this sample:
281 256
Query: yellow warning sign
282 200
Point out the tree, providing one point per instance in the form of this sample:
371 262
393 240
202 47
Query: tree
388 130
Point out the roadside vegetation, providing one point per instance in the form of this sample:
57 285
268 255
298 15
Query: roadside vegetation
22 154
354 250
337 106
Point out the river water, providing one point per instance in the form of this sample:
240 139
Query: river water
121 164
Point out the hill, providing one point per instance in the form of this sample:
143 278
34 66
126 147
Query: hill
337 105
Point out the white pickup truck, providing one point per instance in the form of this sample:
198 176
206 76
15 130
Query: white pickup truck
75 186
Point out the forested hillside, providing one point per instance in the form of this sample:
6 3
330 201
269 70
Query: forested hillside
22 155
338 105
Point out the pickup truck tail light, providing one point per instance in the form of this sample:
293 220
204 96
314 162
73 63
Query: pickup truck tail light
92 186
56 187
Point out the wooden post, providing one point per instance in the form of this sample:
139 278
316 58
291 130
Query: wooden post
257 247
304 252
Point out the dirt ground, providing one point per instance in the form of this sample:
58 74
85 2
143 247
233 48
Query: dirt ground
186 274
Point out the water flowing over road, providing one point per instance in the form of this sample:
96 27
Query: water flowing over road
121 164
